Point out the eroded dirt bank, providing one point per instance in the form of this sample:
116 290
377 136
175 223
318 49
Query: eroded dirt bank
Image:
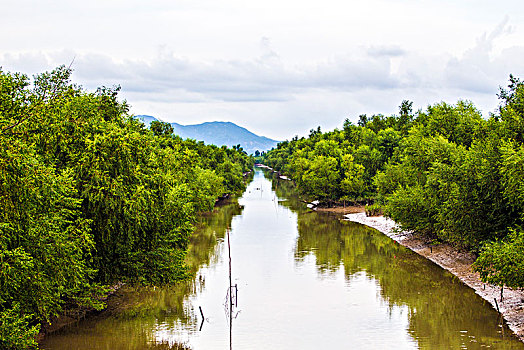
349 209
457 262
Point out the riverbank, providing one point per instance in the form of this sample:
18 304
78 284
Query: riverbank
457 262
77 313
349 209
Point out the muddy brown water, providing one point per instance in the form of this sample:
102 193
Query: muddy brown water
305 280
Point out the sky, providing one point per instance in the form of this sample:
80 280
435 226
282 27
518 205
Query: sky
277 67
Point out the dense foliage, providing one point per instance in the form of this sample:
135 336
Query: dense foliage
342 164
89 196
446 173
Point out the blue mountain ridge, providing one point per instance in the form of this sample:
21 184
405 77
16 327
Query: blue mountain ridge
219 133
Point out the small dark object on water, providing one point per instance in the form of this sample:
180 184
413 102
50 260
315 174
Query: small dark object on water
202 323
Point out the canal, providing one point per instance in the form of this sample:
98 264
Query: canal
300 280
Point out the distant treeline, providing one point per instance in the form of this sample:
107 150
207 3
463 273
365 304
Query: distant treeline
89 197
445 173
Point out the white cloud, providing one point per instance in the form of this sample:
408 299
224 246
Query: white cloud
388 51
279 68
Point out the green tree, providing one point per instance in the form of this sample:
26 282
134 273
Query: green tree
89 197
501 262
161 128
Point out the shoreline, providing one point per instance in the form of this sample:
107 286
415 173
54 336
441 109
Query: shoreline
349 209
76 314
113 298
458 263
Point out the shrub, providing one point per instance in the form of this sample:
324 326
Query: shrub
373 210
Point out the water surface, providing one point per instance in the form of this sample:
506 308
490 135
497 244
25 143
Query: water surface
305 280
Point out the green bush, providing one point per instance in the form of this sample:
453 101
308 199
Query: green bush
501 262
373 210
16 331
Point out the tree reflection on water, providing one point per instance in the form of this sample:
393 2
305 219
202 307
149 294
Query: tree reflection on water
443 312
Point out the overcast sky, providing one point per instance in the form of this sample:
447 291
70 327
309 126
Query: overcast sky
276 67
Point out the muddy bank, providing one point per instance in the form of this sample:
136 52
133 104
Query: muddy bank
76 313
349 209
457 262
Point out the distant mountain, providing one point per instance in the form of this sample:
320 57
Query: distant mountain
220 133
146 119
